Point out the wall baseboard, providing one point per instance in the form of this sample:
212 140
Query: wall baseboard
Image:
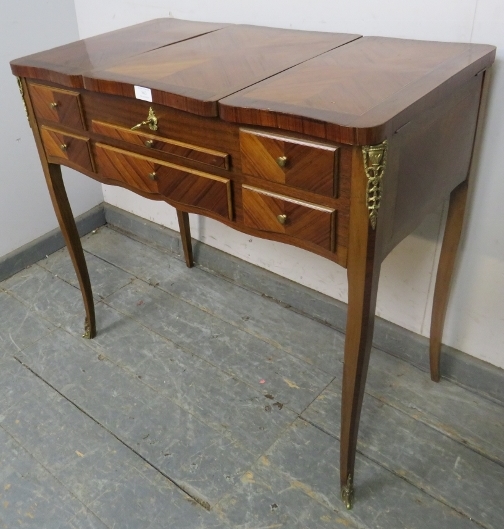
474 374
459 367
35 250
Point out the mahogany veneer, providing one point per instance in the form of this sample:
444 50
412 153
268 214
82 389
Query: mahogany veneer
331 142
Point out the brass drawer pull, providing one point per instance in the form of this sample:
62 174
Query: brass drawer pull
53 104
149 143
282 219
281 161
63 147
151 120
153 176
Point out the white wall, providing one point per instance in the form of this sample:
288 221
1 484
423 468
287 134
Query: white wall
476 310
28 26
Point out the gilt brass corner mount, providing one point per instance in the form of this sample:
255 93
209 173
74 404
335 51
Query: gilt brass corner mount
21 91
375 161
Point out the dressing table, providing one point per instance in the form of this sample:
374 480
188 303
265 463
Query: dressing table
336 143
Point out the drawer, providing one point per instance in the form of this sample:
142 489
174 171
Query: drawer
57 105
158 143
67 147
296 163
183 185
270 212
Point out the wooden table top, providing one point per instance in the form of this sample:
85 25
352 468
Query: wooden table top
341 87
66 64
359 93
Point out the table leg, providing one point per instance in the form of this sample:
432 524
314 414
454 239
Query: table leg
451 239
363 271
68 227
185 234
362 290
61 205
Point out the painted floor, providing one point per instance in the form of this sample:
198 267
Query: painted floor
201 404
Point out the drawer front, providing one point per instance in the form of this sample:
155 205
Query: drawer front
157 143
185 186
270 212
58 106
296 163
67 147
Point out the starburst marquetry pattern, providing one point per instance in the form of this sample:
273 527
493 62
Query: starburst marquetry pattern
298 219
57 105
193 75
69 147
181 185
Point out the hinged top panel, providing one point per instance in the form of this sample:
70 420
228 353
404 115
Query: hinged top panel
359 93
66 64
193 75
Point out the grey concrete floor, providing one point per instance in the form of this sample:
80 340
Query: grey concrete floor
201 404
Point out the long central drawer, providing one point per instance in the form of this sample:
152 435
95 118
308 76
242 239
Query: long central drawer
180 184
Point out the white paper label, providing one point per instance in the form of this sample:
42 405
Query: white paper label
143 93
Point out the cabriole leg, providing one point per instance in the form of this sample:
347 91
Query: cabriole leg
362 289
61 205
69 229
185 235
451 239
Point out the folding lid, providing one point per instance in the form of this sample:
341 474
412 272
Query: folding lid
66 64
359 93
193 75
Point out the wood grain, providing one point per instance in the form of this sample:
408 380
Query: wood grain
435 154
57 105
308 165
124 167
66 221
178 184
67 147
185 237
158 143
303 220
299 87
193 75
451 239
360 93
66 64
363 273
207 133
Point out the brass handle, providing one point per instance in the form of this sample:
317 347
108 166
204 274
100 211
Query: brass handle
63 146
53 104
151 120
149 143
153 176
281 161
282 219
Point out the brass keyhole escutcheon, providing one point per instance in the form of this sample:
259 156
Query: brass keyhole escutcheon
63 147
282 219
153 176
149 143
151 120
281 161
53 104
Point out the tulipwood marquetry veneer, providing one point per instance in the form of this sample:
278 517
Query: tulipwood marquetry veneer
335 143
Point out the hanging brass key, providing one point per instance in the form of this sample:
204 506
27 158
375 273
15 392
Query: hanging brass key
151 120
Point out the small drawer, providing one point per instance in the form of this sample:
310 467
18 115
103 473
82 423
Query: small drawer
67 147
296 163
58 106
186 186
270 212
160 144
